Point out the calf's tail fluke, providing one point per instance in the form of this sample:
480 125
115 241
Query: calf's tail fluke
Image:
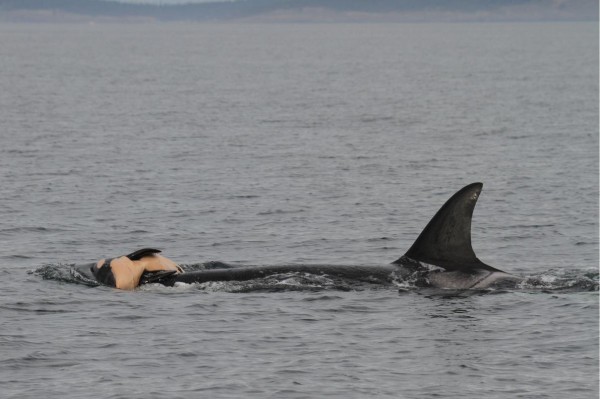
446 240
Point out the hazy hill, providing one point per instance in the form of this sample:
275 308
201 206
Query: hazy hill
302 10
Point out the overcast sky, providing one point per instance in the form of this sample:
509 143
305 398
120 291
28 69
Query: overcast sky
169 1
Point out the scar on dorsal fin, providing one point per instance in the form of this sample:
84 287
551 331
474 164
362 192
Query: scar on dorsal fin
140 253
446 240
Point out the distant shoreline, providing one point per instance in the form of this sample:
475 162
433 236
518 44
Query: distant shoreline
44 17
298 11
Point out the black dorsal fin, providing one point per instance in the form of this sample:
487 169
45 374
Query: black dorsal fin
140 253
446 240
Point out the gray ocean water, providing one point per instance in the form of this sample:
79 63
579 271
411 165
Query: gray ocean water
268 144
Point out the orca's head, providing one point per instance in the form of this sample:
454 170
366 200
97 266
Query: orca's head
103 272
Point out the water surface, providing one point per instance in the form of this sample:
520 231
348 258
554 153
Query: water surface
267 144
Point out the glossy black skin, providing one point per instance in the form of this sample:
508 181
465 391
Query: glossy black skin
104 274
445 242
385 273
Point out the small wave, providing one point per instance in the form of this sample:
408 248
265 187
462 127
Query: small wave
65 273
17 256
280 212
249 196
214 264
378 239
27 229
322 298
283 282
563 280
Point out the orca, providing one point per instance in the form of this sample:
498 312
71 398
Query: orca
442 255
128 272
